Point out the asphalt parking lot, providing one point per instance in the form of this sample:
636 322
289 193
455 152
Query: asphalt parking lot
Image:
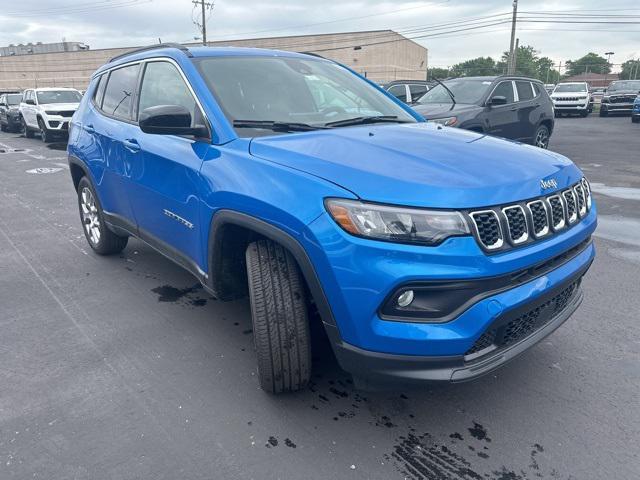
123 368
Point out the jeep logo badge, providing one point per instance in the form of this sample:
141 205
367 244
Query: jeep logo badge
546 184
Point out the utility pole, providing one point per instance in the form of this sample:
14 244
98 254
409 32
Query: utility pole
510 64
515 57
608 54
203 26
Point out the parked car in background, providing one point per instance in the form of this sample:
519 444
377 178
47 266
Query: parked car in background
597 93
426 253
549 87
408 90
619 97
10 111
516 108
635 113
48 111
572 98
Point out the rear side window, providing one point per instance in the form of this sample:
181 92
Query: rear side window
536 89
399 91
417 91
99 93
524 90
504 89
163 85
118 96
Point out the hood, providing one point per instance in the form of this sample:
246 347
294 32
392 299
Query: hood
59 106
420 164
442 110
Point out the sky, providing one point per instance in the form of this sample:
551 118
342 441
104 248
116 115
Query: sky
113 23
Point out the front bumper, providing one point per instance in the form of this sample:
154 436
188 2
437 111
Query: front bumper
357 276
617 107
57 123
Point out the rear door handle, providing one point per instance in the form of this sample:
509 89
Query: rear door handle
89 128
131 144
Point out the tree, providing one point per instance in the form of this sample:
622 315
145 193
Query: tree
438 73
475 67
591 62
630 70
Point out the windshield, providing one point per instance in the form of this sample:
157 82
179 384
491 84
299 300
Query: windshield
14 99
464 91
292 90
58 96
625 85
571 87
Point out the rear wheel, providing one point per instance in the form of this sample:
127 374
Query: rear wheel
3 127
541 137
635 119
603 112
584 114
26 131
279 315
102 240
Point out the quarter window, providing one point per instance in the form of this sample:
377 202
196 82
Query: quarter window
99 93
163 85
118 96
524 91
504 89
536 89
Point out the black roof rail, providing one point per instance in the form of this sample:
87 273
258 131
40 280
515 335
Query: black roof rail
313 54
153 47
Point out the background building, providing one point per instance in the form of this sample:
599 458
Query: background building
381 55
594 79
31 48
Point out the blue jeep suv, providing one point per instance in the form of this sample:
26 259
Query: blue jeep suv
428 253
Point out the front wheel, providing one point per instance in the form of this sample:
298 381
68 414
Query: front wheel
279 314
603 112
45 134
635 119
26 131
541 137
102 240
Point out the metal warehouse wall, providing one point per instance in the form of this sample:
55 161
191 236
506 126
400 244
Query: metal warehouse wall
381 55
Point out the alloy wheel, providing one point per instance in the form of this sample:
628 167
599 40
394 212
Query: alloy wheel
90 217
542 139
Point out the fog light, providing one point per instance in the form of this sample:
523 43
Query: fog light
405 298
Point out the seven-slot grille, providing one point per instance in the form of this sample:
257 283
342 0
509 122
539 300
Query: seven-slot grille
512 225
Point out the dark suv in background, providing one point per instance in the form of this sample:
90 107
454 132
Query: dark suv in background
516 108
10 112
619 97
409 91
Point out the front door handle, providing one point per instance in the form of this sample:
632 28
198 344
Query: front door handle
89 128
131 144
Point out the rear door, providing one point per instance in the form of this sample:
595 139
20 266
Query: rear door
502 120
165 172
110 126
528 114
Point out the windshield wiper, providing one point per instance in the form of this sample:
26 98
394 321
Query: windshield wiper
277 126
453 97
365 120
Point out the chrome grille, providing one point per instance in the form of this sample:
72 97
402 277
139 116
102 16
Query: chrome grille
557 212
539 217
517 222
582 202
488 229
500 227
572 211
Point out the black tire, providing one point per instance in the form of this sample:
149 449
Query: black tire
584 114
26 131
603 112
541 137
46 135
3 127
107 242
280 319
635 119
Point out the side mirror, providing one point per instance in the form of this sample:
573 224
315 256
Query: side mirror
169 120
497 100
30 101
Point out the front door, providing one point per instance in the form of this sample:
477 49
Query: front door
165 171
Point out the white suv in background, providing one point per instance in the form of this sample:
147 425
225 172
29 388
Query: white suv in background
572 98
48 111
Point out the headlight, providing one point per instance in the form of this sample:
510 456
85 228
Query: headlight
396 224
447 121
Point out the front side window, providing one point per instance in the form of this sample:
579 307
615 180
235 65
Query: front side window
118 95
463 90
504 89
162 84
14 99
314 92
524 91
58 96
